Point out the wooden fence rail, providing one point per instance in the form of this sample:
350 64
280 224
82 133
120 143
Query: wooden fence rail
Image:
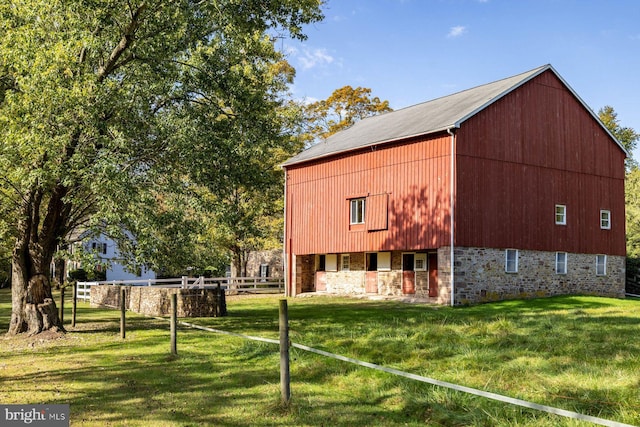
231 285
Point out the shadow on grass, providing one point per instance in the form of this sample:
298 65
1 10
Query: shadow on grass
521 344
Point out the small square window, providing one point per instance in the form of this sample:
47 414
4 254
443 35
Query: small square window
511 261
605 219
346 262
420 262
357 210
561 214
561 263
601 265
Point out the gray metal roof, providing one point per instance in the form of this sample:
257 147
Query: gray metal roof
432 116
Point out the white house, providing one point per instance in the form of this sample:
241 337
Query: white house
106 249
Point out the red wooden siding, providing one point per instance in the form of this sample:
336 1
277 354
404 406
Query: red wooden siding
531 150
515 160
415 178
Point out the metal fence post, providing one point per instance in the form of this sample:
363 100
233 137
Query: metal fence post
285 379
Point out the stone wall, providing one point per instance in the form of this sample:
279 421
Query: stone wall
480 276
156 301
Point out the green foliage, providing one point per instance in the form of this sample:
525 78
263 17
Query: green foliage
632 202
628 137
341 110
112 113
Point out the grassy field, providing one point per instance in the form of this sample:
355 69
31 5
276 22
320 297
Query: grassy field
577 353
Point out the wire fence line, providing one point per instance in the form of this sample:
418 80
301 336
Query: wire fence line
439 383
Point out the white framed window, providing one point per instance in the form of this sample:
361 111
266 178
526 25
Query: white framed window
605 219
331 262
561 214
601 265
511 261
99 247
420 262
264 271
356 210
561 263
384 261
345 263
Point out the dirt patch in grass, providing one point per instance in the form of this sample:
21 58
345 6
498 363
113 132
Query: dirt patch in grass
24 341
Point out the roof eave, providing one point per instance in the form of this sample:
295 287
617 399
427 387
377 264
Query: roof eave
372 144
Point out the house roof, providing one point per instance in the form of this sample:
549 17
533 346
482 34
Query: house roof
437 115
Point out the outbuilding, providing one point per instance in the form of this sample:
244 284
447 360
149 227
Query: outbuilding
510 189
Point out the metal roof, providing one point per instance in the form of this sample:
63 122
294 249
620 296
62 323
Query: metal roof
432 116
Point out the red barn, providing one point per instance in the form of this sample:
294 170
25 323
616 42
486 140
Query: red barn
510 189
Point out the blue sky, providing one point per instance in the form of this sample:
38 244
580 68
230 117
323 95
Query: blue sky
410 51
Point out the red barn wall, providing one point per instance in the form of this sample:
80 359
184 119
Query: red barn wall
414 174
533 149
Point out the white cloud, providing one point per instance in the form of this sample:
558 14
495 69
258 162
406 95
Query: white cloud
457 31
312 58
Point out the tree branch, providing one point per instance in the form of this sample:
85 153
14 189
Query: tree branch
125 43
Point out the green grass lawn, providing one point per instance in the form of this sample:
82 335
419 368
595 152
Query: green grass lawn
577 353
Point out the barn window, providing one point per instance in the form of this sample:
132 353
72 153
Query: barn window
346 262
420 262
357 210
561 263
372 261
561 215
605 220
511 261
601 265
384 261
331 262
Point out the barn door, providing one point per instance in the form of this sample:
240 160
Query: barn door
321 281
371 275
371 282
408 274
433 275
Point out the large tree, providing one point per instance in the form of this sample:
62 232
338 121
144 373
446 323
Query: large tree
341 110
627 136
94 101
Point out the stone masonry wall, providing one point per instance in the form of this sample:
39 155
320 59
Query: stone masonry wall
273 258
480 276
156 301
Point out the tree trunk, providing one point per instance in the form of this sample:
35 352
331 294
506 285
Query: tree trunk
33 308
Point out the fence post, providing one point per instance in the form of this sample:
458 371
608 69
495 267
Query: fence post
285 386
123 294
184 281
174 324
62 305
74 304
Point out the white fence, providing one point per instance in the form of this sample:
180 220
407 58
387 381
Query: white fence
231 285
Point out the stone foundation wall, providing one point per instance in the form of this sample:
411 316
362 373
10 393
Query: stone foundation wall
480 276
156 301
